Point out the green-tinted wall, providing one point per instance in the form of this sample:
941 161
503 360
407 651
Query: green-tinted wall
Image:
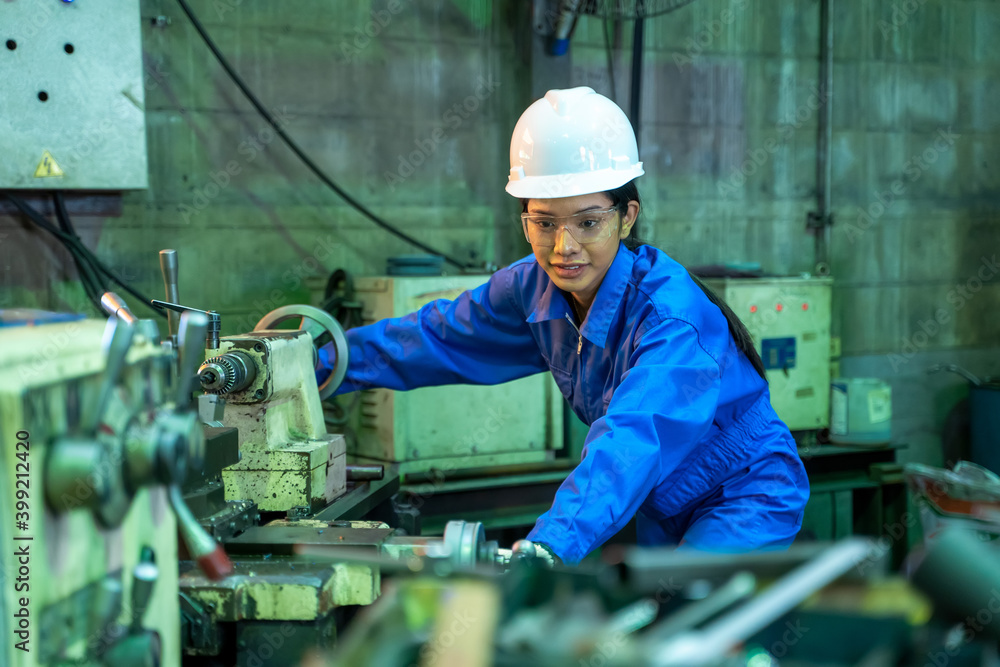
410 105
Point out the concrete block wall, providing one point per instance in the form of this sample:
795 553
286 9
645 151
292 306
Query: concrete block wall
407 105
729 129
410 105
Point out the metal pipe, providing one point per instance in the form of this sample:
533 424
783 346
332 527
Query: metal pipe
824 165
169 269
635 91
711 644
564 26
361 473
955 368
436 475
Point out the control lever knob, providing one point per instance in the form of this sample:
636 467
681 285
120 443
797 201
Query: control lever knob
208 553
115 306
118 336
168 267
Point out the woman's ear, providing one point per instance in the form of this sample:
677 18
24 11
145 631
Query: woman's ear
629 219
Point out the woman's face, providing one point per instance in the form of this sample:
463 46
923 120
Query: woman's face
575 267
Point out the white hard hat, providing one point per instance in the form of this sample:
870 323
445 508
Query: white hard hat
571 142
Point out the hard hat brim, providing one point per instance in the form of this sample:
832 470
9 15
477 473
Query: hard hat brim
571 185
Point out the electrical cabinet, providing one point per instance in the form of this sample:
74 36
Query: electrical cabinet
72 95
789 319
457 426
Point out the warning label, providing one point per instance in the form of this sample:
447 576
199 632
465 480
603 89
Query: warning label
48 167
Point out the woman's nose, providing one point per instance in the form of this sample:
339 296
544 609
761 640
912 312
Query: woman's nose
565 243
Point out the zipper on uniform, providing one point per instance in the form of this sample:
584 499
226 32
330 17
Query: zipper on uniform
579 342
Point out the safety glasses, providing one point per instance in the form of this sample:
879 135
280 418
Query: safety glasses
585 227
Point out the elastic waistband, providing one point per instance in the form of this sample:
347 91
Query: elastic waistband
738 446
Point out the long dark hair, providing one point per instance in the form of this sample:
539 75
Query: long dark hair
620 197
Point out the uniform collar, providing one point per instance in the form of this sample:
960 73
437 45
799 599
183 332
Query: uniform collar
552 304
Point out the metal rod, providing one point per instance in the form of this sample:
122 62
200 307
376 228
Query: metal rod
707 646
635 92
437 475
739 587
824 165
169 269
359 473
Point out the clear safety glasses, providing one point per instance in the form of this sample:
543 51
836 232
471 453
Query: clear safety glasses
585 227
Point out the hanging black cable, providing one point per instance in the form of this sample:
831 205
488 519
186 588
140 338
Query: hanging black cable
64 220
91 286
313 167
88 265
89 273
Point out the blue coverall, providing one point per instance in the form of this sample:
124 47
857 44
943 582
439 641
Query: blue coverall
681 426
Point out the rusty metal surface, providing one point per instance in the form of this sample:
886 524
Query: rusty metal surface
280 589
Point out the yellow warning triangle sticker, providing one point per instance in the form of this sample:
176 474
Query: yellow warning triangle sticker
48 167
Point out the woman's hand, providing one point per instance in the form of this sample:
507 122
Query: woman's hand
528 550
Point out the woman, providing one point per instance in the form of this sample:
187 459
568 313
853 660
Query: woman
682 431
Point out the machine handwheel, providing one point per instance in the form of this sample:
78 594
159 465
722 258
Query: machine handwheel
465 541
323 328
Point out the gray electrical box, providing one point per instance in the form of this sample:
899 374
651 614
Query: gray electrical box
455 426
72 103
789 319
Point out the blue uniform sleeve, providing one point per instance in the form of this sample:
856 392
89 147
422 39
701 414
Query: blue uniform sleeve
479 338
663 407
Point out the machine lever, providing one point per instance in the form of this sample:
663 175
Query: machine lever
202 547
214 320
115 306
168 267
118 339
191 333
